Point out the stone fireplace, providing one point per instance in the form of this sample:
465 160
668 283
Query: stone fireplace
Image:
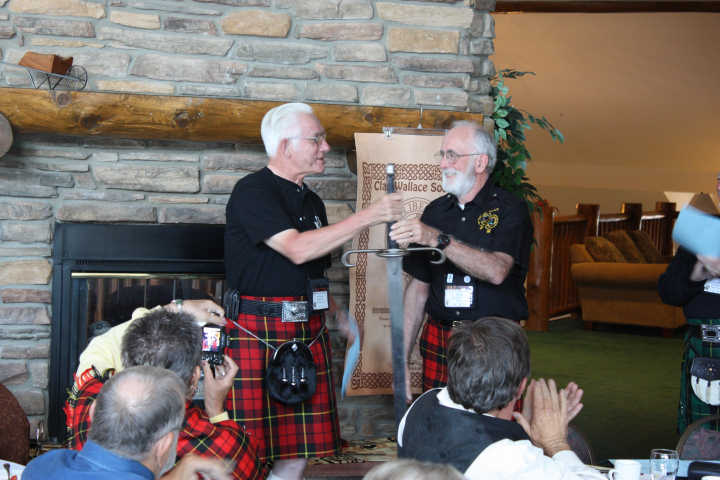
353 52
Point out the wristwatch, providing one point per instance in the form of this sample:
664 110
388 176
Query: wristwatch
443 240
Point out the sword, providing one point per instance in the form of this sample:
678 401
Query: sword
393 254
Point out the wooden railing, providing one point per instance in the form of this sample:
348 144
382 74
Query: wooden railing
550 287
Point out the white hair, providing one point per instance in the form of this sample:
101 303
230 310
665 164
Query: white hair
484 143
280 123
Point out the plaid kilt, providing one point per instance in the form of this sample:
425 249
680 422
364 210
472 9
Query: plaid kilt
308 429
691 408
433 348
224 440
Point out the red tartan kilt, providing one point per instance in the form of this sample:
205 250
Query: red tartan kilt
433 348
308 429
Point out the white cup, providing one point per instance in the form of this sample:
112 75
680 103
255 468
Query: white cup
625 470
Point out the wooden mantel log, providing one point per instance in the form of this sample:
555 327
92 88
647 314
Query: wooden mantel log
192 118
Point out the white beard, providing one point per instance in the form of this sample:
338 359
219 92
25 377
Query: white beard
461 182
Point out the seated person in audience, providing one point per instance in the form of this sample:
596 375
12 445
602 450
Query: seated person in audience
406 469
136 419
171 340
468 424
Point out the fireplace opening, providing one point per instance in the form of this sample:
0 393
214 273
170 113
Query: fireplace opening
102 272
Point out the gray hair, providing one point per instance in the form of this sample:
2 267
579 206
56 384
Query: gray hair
487 361
408 469
280 123
164 339
483 142
136 408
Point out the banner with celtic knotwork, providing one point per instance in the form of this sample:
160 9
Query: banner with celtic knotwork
417 176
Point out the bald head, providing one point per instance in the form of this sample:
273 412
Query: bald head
135 408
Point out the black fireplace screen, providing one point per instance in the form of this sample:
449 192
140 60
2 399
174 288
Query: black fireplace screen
108 299
102 272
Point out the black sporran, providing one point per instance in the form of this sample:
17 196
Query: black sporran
291 376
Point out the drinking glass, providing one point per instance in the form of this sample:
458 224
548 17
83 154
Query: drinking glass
663 464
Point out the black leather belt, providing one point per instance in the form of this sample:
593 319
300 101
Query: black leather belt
286 310
260 308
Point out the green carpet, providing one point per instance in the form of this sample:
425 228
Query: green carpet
631 381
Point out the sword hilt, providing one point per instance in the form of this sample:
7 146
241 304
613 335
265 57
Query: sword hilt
392 253
392 250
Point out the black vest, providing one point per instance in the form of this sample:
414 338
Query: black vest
438 434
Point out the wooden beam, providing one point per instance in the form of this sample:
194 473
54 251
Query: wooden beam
192 118
620 6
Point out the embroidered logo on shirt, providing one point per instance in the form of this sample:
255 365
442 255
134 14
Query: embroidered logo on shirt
488 220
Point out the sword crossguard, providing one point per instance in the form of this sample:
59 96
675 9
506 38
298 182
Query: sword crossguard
392 253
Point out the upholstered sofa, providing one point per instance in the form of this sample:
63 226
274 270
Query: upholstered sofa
619 285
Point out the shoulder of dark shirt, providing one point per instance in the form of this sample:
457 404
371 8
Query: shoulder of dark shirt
252 181
508 200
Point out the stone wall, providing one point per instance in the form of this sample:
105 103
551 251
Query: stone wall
395 53
358 51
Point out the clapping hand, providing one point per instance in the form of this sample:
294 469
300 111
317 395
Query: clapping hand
574 396
547 427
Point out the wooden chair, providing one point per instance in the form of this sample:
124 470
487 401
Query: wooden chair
699 442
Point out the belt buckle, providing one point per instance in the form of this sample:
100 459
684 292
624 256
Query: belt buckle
457 323
710 333
294 312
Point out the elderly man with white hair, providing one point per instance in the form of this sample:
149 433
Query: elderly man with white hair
485 232
277 248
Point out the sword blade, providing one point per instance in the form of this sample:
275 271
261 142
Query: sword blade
395 301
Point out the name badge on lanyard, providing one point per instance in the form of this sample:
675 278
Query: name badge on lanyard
319 293
459 294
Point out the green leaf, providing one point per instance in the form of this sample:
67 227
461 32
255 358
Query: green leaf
510 126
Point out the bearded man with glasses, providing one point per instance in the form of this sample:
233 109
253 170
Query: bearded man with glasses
277 248
485 232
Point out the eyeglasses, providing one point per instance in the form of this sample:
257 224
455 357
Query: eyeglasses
318 139
451 156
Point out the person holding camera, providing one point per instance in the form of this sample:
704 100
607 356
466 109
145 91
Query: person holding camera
169 338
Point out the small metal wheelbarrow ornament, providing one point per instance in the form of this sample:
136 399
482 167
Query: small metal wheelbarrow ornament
52 71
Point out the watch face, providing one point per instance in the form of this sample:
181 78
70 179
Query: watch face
443 241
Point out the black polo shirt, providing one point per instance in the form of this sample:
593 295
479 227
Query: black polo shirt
496 221
261 205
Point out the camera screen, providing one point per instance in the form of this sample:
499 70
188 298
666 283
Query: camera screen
211 339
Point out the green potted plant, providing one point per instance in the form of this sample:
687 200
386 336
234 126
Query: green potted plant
510 126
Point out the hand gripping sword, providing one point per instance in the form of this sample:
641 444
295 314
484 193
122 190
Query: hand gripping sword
393 254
